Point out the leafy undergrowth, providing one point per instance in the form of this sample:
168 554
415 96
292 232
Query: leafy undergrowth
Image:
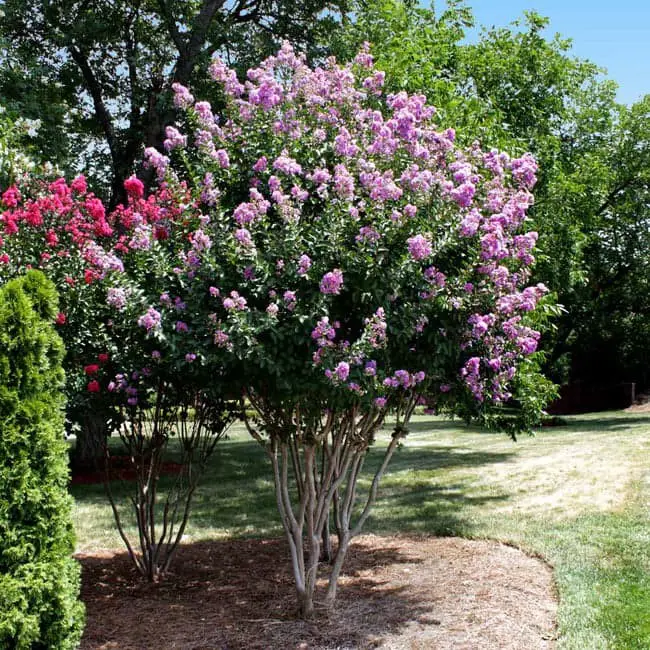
576 495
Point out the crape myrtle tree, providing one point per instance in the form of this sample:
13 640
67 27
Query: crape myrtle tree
361 263
99 74
165 380
127 372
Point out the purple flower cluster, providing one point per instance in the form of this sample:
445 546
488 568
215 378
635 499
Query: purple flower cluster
323 333
304 264
116 297
404 379
419 247
375 329
183 98
174 139
332 282
150 320
234 302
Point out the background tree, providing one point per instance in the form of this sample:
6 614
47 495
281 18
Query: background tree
99 74
611 327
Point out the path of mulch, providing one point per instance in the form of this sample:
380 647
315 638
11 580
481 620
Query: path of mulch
396 593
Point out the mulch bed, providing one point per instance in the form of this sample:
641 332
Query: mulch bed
121 469
395 593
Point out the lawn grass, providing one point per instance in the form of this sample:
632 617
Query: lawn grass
576 495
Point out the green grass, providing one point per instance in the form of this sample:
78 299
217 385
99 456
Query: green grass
576 495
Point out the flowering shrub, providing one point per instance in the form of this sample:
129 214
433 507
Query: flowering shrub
358 262
128 368
165 377
58 228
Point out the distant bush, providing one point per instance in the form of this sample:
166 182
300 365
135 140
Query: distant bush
39 581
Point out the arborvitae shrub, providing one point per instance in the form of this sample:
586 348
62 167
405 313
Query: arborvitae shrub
39 580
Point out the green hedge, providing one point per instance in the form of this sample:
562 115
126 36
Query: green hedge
39 580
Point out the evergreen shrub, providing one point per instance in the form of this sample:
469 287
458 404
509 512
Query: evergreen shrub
39 580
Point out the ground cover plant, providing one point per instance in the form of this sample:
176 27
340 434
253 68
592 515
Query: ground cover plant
575 494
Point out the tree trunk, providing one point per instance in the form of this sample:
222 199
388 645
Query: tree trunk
91 441
326 544
341 552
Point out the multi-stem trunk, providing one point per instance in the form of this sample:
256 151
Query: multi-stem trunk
321 461
345 510
161 522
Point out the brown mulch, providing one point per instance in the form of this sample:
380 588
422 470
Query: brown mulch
121 469
395 593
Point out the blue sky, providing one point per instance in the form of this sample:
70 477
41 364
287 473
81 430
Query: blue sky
614 34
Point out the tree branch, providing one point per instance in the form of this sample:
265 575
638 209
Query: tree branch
189 52
101 112
609 200
131 46
174 32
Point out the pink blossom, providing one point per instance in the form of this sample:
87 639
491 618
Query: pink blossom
332 282
182 96
134 187
304 264
419 247
150 320
342 370
174 139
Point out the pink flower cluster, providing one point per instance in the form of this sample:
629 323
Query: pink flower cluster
332 282
368 184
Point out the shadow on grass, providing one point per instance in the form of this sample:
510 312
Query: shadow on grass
239 594
616 423
236 497
430 510
435 425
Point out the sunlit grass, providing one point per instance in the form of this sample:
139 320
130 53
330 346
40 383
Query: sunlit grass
576 495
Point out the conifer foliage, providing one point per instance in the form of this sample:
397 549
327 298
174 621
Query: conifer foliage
39 581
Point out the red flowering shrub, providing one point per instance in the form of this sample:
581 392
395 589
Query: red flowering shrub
58 228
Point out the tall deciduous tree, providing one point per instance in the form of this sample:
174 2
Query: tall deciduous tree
610 330
101 72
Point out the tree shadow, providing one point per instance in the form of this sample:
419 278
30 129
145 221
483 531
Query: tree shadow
239 594
246 505
431 510
236 493
618 422
436 425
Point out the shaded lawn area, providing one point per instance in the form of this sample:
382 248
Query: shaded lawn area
576 495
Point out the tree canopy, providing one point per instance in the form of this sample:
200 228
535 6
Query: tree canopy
99 74
518 89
